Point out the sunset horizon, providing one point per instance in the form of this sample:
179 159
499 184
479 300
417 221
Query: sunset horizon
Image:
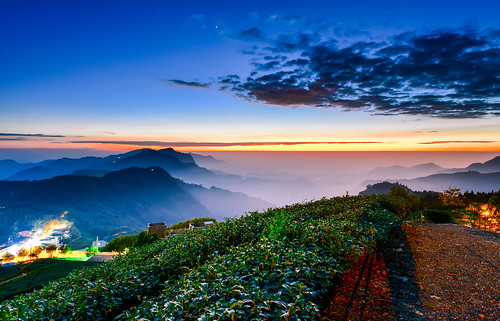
260 76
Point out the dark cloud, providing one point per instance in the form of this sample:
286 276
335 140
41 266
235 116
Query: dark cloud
251 34
14 136
220 144
444 73
183 83
296 62
294 42
267 66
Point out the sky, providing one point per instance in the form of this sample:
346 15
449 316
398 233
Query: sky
207 76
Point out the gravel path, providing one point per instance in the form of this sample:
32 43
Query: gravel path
457 270
103 256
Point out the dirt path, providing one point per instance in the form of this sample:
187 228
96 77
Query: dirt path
103 256
424 272
457 270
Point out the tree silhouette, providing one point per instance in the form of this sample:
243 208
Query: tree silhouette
22 253
452 197
64 249
50 249
7 257
494 206
36 251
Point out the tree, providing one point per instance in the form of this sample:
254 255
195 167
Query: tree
145 238
91 251
22 253
452 197
494 206
7 257
401 200
120 243
36 251
65 249
51 249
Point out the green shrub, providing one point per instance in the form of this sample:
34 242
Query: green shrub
400 201
63 249
91 251
145 238
120 243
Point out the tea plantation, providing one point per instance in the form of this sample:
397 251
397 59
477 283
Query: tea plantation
272 265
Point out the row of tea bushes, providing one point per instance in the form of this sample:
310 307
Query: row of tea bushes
105 290
263 264
274 278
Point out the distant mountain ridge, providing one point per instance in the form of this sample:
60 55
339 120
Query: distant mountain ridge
465 181
477 177
9 167
168 159
177 164
405 172
129 198
491 166
274 188
381 188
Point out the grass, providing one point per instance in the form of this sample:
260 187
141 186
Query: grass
37 273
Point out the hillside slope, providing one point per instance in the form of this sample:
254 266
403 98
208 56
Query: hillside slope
278 264
126 198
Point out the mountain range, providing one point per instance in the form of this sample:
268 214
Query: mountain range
124 199
180 165
477 177
394 172
105 194
170 160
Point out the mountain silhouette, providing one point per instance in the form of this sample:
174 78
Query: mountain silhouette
394 172
33 173
9 167
129 198
465 181
381 188
493 165
170 160
180 165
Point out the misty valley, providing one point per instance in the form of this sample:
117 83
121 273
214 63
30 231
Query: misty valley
120 194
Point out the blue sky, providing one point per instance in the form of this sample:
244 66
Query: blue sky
260 75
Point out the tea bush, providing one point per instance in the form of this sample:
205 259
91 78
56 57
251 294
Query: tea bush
269 265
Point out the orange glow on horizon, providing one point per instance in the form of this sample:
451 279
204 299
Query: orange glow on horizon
374 147
270 147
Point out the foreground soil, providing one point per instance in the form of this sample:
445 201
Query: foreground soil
425 272
457 270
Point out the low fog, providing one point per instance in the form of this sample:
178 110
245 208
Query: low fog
291 177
